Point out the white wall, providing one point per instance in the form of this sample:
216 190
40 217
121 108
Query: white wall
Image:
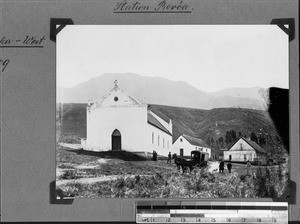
240 151
130 121
240 155
161 142
187 147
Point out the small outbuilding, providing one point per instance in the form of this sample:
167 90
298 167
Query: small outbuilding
184 145
243 150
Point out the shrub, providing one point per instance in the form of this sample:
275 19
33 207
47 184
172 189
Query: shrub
69 174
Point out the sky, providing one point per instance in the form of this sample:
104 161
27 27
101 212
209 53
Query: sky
208 57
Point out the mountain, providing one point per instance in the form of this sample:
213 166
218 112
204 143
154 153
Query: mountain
157 90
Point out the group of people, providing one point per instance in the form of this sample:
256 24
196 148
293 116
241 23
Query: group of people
229 167
222 164
154 157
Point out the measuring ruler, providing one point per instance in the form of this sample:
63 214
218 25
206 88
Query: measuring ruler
211 212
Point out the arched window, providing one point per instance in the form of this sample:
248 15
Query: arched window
152 137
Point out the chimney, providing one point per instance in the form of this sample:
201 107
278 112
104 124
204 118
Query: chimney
171 127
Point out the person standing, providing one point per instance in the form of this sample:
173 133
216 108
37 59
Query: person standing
169 158
248 168
221 167
155 155
229 166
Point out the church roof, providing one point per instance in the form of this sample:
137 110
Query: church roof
153 121
195 141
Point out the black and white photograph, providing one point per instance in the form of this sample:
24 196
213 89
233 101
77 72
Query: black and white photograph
172 111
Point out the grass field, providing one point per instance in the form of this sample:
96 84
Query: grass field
126 175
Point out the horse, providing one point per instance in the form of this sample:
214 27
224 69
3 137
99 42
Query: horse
183 163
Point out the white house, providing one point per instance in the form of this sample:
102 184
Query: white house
120 122
184 144
243 150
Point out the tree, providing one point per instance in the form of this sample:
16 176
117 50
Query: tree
261 140
253 137
228 139
240 134
221 142
233 136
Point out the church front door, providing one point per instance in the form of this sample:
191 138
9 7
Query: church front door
116 140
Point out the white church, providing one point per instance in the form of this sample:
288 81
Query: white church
121 122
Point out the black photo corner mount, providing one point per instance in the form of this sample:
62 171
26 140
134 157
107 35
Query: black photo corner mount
290 31
58 196
62 22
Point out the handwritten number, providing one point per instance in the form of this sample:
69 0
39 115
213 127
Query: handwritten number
4 64
213 220
243 219
228 219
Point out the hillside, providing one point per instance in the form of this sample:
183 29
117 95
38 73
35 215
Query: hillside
199 123
157 90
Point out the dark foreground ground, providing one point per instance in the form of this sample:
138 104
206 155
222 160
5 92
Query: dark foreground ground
125 175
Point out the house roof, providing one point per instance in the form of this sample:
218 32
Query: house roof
153 121
195 141
253 144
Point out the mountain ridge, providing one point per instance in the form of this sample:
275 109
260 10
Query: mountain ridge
162 91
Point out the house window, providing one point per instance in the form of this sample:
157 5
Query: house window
181 140
158 140
241 145
163 142
152 137
195 148
181 152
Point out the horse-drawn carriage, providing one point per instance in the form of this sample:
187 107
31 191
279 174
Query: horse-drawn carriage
197 159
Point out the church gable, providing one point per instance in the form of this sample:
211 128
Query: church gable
117 98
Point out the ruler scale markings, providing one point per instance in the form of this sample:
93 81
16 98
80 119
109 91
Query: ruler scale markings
212 212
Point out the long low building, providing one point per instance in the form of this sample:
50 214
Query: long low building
184 145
